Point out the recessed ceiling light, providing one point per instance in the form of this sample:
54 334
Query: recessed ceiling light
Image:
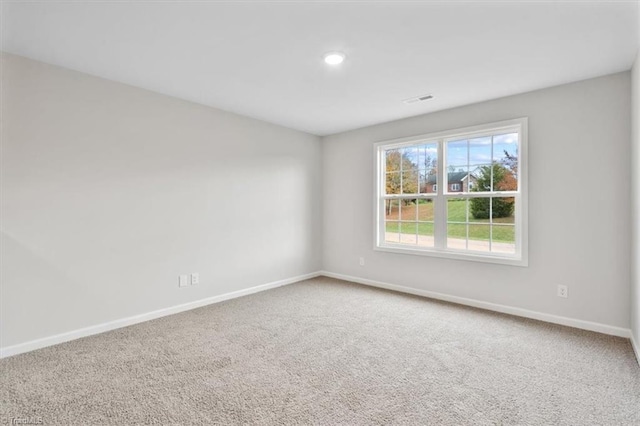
334 58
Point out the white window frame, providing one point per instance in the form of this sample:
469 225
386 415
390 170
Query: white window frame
520 258
456 187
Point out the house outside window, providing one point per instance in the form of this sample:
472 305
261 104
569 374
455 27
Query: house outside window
480 213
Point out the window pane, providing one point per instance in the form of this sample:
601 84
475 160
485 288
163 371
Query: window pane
471 183
482 178
505 157
425 210
479 209
427 166
392 157
503 239
426 182
425 234
456 154
391 209
410 182
428 156
504 178
456 178
392 183
502 210
479 152
456 236
408 210
392 230
479 236
456 210
408 233
505 146
409 158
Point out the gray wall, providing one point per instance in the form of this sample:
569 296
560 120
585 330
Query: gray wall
109 192
635 166
579 208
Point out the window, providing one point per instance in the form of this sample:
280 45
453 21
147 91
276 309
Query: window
482 216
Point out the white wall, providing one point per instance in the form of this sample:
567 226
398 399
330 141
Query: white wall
635 167
579 183
109 192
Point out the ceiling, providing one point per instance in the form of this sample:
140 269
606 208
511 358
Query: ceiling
264 59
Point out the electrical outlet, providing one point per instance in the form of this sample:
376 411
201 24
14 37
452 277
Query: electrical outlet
183 281
195 278
563 291
362 261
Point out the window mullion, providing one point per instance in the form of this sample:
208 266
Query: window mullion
440 216
381 190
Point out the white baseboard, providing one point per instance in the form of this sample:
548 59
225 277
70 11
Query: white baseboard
636 348
124 322
555 319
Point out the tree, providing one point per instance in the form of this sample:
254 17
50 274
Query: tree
503 180
509 181
430 164
401 176
511 161
429 168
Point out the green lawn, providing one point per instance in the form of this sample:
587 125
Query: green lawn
424 228
479 229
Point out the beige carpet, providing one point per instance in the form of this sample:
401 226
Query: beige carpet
328 352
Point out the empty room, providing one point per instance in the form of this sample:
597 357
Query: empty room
320 212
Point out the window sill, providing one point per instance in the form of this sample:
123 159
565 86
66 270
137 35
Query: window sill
456 255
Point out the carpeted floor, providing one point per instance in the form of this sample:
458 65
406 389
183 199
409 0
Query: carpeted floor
329 352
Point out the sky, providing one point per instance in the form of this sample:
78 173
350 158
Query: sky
477 151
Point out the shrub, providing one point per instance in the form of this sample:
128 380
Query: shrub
502 207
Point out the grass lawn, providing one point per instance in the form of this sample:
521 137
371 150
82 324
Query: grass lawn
424 228
479 229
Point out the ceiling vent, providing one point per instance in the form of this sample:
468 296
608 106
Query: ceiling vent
418 99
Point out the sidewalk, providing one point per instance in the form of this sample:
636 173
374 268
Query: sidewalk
454 243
